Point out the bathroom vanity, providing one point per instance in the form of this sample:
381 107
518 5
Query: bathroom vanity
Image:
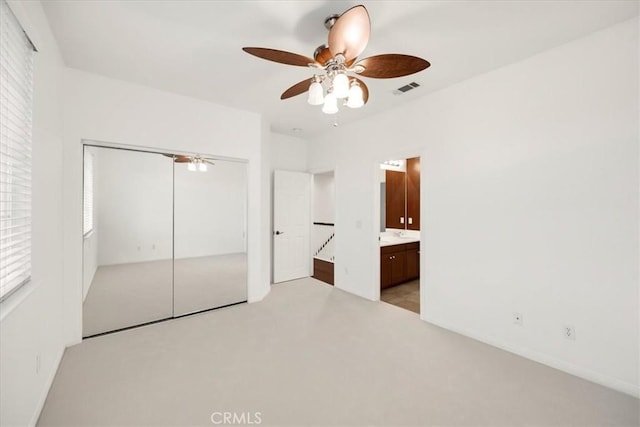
399 260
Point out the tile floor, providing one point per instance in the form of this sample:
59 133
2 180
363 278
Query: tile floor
404 295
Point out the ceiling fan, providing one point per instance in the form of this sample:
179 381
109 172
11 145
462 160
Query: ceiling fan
337 62
193 162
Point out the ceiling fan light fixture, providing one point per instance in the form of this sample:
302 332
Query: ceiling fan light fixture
356 99
341 85
202 166
191 166
335 61
330 104
316 93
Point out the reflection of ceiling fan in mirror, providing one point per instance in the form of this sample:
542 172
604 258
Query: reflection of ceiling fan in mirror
336 63
194 163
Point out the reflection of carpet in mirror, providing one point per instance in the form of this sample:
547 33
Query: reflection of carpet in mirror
405 295
131 294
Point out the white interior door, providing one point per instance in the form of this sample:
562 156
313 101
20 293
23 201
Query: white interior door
291 225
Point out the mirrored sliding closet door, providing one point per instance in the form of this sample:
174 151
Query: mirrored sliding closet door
210 235
164 235
128 247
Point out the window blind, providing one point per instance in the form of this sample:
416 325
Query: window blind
16 87
87 196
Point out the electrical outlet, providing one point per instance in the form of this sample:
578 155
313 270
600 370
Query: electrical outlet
518 319
569 332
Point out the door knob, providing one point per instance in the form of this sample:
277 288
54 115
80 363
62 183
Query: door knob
278 232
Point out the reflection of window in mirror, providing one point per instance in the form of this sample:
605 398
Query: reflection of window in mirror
87 196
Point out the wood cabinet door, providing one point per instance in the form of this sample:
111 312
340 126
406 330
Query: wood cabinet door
398 270
385 270
413 193
413 264
395 199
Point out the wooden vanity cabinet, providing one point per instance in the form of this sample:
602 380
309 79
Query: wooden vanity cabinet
413 260
399 263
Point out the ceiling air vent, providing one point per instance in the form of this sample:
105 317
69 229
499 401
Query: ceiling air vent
405 88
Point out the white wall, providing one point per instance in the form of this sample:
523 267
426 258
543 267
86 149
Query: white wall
205 211
323 197
529 204
288 153
210 210
134 209
103 109
31 319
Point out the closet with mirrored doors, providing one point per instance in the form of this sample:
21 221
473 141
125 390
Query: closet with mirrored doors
164 235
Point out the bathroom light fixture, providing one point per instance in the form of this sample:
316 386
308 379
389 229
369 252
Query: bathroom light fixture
395 163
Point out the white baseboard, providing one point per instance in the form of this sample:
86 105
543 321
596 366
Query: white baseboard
45 392
545 359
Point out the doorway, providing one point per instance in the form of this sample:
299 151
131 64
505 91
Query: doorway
399 233
323 227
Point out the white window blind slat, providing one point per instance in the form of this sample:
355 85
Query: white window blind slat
87 196
16 93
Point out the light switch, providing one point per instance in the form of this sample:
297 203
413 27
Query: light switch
410 220
401 220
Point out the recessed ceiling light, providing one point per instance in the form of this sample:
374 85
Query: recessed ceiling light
297 130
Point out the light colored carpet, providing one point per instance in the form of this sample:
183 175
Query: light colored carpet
125 295
311 355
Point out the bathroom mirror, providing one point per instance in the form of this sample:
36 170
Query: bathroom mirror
128 267
400 194
210 267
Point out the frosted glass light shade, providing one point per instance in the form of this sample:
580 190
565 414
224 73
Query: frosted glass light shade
341 85
355 96
191 167
316 94
202 166
330 104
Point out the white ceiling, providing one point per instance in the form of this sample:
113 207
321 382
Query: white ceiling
194 47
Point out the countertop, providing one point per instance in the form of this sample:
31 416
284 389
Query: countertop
397 240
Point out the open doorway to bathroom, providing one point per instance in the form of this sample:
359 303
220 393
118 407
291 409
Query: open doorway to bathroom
400 233
323 227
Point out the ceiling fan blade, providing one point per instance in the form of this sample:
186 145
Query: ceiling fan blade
350 33
280 56
391 65
178 158
365 89
208 161
296 89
